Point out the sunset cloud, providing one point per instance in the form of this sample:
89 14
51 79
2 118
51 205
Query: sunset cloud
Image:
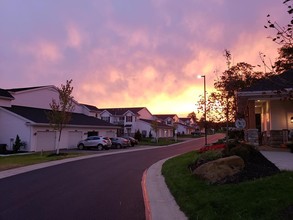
131 53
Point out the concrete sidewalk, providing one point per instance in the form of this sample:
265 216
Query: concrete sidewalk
163 205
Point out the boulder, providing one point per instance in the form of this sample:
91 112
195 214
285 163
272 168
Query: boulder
217 170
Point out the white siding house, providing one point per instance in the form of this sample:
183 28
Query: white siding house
24 114
126 118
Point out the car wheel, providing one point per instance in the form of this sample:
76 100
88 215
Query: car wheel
80 147
100 147
118 146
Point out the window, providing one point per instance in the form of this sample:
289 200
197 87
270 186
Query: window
128 118
106 119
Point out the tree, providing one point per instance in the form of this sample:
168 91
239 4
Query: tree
222 104
284 38
233 80
60 114
155 128
192 115
283 33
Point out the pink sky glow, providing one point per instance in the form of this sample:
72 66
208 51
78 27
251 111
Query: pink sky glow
132 53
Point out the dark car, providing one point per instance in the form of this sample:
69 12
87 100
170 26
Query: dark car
119 142
98 142
132 140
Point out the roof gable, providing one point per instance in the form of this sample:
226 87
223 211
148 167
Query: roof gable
122 111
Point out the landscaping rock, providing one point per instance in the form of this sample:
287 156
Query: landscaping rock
217 170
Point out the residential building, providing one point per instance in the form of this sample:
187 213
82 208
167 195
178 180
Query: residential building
125 118
267 108
23 112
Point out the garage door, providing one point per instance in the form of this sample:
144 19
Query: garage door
73 138
46 140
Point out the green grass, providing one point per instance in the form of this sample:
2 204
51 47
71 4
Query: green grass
161 142
260 199
14 161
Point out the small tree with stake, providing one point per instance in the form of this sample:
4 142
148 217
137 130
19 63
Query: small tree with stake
60 113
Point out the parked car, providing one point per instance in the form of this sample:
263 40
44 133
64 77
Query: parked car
132 140
119 142
98 142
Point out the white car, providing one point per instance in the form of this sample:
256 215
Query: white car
98 142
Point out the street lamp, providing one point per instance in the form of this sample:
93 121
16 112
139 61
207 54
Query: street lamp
205 109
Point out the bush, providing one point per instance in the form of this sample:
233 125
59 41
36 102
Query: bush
290 146
137 135
3 148
236 134
18 144
205 157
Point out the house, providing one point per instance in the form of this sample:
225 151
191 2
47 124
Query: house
267 107
168 119
125 118
155 128
23 112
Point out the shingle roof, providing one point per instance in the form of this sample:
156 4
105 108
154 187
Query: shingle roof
25 88
122 111
38 115
275 82
164 116
91 107
4 93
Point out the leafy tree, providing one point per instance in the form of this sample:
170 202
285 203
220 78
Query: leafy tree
284 38
61 110
285 59
192 115
283 33
155 128
215 108
222 104
233 80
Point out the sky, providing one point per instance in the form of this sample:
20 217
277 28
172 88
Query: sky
132 53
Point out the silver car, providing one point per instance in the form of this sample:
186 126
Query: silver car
119 142
99 142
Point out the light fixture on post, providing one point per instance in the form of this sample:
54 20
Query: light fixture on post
205 108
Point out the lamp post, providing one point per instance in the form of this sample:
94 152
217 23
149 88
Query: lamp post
205 109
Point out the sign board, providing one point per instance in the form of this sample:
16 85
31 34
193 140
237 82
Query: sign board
240 123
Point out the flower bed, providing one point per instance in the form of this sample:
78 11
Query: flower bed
211 147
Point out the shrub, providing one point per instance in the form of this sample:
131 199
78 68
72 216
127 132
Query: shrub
137 135
18 144
205 157
3 148
236 134
290 146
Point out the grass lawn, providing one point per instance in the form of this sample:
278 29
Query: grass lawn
14 161
161 142
260 199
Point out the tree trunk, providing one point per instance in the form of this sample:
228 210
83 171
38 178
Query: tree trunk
58 143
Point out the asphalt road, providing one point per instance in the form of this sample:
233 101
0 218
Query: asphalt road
106 187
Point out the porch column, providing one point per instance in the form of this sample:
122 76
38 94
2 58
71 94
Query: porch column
251 114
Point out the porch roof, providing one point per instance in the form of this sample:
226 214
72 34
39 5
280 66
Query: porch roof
272 83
